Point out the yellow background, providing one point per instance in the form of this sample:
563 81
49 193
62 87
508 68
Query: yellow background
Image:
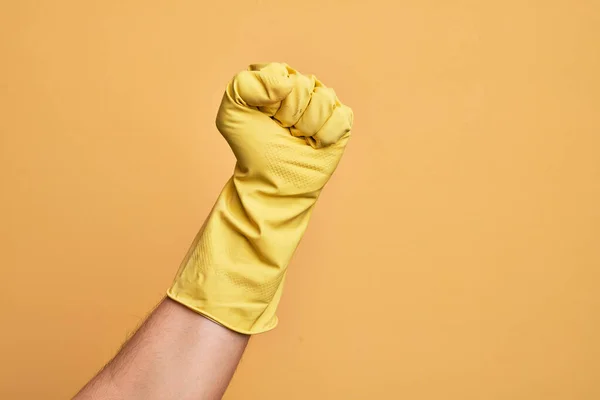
455 254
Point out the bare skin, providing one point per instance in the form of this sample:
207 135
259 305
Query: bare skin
176 354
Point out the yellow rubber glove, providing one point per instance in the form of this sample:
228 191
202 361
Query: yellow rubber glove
288 132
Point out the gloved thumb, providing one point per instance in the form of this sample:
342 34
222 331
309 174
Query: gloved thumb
261 86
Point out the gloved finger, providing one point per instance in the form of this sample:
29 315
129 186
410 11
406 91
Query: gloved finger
293 106
320 108
270 109
337 126
264 87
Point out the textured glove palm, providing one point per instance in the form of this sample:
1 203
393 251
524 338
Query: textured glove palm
288 132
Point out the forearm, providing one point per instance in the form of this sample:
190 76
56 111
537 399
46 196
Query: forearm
176 354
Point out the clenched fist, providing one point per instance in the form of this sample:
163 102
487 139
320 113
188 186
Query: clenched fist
288 132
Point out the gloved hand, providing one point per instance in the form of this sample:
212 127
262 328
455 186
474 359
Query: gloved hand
288 132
